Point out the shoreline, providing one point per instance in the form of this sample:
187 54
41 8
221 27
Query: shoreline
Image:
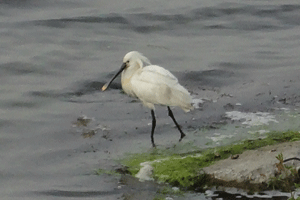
253 169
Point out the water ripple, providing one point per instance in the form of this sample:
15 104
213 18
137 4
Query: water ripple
21 68
65 193
63 22
231 16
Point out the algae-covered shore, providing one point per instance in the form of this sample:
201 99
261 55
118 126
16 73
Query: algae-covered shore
254 165
250 164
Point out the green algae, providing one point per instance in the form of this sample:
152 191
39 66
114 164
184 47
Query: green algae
133 161
184 170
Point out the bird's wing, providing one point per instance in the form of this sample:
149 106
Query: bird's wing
156 85
156 75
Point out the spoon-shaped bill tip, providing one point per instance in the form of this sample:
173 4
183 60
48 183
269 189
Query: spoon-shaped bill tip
104 87
113 78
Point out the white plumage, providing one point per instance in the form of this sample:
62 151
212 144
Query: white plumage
152 84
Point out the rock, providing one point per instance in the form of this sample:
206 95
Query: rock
145 172
254 166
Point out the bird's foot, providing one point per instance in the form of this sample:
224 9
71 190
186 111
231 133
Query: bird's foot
182 136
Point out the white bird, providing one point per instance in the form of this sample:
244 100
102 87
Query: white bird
152 84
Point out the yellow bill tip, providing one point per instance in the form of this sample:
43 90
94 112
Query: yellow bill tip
104 87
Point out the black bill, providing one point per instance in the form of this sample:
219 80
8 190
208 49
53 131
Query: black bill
113 78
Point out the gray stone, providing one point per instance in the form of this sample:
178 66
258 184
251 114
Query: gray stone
255 166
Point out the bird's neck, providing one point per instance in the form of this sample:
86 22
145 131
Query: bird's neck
126 76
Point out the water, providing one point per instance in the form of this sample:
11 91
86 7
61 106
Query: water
55 56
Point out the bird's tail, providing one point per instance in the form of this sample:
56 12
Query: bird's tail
183 99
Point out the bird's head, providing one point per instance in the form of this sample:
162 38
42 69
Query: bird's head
134 57
131 59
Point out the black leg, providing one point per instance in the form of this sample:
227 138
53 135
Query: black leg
153 127
177 125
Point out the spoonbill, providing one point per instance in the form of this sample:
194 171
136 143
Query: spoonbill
152 84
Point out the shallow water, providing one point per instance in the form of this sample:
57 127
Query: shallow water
55 56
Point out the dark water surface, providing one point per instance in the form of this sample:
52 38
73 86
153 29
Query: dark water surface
55 56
